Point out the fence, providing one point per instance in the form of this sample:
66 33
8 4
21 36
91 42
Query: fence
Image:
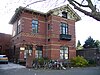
90 54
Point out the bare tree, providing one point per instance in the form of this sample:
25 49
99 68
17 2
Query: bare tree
94 13
77 4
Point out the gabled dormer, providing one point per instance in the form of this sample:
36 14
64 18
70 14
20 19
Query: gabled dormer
66 12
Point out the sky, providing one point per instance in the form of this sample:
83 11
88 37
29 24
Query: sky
84 28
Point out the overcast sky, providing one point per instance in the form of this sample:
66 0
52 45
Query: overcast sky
84 28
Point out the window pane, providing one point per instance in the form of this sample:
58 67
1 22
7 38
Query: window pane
49 26
36 54
35 26
19 30
61 56
65 48
63 52
19 22
14 33
66 29
39 51
40 55
64 32
66 56
34 30
63 28
34 22
64 14
60 30
66 51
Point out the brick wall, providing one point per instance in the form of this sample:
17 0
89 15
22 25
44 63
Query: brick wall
51 48
5 43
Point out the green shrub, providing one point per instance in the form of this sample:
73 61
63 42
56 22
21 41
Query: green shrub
41 60
92 62
79 61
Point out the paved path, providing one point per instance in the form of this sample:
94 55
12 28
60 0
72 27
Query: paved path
10 66
15 69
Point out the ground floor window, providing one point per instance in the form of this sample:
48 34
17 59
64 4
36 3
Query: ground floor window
39 52
27 50
63 52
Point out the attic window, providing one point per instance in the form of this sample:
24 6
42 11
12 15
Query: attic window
64 14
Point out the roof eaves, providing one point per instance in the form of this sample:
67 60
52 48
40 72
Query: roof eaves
15 16
18 11
31 10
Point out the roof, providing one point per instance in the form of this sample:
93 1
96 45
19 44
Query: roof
19 10
67 7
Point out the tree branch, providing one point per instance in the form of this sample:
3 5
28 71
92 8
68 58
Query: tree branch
80 4
93 8
95 15
82 1
35 2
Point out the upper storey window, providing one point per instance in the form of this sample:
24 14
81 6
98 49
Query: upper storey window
63 28
64 14
35 26
18 26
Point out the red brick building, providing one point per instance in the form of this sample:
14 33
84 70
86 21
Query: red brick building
5 43
37 34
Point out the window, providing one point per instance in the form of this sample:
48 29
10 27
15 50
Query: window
27 50
63 52
63 28
14 33
49 26
38 52
19 22
64 14
35 26
18 27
